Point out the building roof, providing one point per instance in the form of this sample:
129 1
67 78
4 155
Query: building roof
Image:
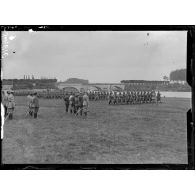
142 81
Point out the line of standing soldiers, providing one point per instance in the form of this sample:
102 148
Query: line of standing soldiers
134 97
76 103
97 95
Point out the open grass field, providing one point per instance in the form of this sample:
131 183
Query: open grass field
111 134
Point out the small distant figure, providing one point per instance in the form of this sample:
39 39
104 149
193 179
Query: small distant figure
66 101
35 104
30 102
110 97
10 105
80 105
158 97
153 96
4 101
76 103
72 103
85 104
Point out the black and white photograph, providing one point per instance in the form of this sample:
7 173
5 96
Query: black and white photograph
94 97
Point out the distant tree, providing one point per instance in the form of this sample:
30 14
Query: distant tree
76 80
165 78
178 75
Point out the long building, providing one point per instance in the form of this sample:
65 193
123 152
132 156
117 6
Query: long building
91 86
124 85
52 84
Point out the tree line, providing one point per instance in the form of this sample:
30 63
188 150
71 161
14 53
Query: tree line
178 75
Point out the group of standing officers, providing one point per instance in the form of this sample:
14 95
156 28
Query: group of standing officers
76 103
9 104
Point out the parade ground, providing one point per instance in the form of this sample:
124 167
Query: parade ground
119 134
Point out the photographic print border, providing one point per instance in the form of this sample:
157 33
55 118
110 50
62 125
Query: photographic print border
190 115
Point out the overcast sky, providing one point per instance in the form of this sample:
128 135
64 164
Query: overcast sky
96 56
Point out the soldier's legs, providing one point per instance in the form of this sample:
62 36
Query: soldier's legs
85 111
10 113
76 109
35 112
67 106
10 116
70 108
5 108
30 111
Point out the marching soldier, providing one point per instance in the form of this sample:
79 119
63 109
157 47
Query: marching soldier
114 98
158 97
153 96
110 98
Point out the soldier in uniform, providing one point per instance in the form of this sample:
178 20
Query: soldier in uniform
10 104
158 97
71 103
153 96
85 104
110 98
4 101
142 97
35 104
76 103
30 99
114 98
66 101
80 105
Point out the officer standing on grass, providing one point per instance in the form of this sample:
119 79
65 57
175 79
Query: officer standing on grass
4 101
30 99
76 103
35 104
10 104
80 105
85 104
71 103
66 100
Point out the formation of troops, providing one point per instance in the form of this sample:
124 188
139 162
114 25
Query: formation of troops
134 97
78 103
129 97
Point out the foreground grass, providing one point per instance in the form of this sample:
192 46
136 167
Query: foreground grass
111 134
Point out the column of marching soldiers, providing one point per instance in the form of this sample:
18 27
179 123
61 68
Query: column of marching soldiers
78 103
